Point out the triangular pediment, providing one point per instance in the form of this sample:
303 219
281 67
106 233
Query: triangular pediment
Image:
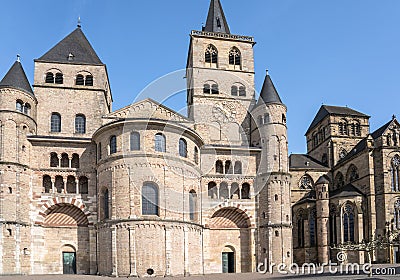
147 109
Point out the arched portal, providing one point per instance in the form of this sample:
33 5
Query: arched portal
66 240
230 228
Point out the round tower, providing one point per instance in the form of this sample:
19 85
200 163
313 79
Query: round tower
273 178
322 205
17 121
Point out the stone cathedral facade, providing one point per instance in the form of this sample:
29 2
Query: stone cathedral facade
145 190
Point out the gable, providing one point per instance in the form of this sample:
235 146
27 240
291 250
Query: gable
147 109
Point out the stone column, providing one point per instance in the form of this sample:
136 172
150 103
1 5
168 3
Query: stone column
168 251
53 187
322 205
186 271
77 185
65 184
253 260
132 252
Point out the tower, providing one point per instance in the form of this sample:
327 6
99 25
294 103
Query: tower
273 187
72 88
220 78
322 206
17 121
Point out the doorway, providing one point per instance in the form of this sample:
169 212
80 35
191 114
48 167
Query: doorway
69 263
228 262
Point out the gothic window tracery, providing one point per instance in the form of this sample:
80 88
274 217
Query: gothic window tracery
300 229
348 223
332 225
211 56
306 182
396 221
342 153
339 180
395 172
352 173
313 227
235 58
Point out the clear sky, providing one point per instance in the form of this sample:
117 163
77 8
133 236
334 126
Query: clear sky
338 52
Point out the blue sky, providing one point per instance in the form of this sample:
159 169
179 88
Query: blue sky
338 52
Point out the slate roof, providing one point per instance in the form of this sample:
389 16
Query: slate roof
76 44
269 94
16 78
308 197
216 21
326 110
348 190
299 161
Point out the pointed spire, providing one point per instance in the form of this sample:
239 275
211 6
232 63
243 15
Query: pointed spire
269 94
16 78
216 21
75 48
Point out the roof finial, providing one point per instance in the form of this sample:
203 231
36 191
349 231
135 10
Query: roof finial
79 22
393 117
267 72
18 58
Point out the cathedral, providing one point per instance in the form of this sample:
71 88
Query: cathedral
147 191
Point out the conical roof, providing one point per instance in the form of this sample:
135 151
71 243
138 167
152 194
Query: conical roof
216 21
16 78
269 94
75 48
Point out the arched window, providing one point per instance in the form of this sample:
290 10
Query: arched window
395 174
83 185
211 56
339 180
196 155
235 58
59 184
245 191
71 184
149 199
55 122
64 160
159 143
396 220
192 204
266 118
260 120
238 167
80 124
80 80
135 141
27 109
234 91
19 106
207 89
214 89
332 225
343 127
283 119
223 191
182 148
306 182
212 190
348 223
300 229
59 78
228 167
242 91
49 78
113 144
54 161
313 227
352 173
47 186
75 161
106 206
89 80
219 167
